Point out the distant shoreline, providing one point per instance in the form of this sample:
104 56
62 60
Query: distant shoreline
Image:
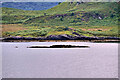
111 41
54 39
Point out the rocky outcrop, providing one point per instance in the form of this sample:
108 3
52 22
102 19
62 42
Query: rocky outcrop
94 15
63 37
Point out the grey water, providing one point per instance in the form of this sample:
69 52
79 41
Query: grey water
98 61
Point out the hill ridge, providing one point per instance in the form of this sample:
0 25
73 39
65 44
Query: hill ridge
86 19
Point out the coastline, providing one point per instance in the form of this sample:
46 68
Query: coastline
64 39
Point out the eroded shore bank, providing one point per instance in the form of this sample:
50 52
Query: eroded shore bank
61 38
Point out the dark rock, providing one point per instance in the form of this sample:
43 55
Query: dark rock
76 33
63 37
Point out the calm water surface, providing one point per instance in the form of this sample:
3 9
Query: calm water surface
98 61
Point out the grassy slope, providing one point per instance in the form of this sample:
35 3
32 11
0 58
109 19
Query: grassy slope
66 18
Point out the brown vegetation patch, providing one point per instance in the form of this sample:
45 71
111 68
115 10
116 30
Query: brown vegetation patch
12 27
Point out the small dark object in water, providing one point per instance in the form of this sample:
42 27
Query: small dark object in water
59 46
16 47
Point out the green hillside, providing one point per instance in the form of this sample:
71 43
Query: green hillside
86 19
